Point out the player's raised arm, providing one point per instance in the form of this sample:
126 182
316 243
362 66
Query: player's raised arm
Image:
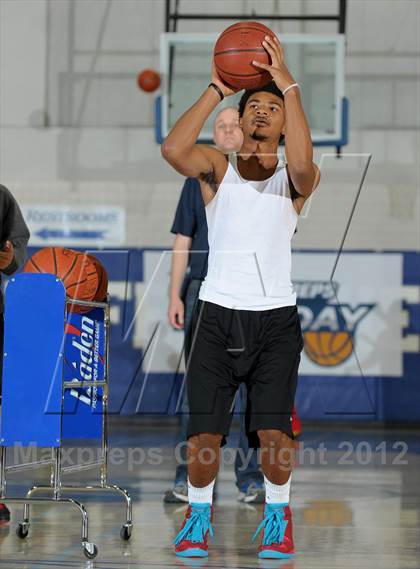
180 148
298 142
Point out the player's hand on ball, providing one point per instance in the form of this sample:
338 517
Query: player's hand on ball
215 78
278 69
176 313
6 255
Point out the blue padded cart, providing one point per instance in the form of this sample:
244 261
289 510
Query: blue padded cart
41 394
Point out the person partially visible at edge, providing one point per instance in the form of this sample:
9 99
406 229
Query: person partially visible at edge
14 237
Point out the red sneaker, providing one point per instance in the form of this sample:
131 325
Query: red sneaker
191 540
4 514
296 424
277 541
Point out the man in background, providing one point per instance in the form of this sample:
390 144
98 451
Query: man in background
14 236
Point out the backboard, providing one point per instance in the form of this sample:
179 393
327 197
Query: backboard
316 62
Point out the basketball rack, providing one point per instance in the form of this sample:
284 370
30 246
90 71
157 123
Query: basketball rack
36 395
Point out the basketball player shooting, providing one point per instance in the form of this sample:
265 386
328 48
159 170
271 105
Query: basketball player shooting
246 326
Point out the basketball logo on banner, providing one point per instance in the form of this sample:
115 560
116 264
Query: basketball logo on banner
328 326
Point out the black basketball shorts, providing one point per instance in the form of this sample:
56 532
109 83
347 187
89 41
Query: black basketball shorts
227 347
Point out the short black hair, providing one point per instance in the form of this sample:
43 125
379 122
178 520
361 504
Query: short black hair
271 87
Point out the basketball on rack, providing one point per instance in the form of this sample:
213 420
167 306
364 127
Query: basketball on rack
77 270
102 290
234 52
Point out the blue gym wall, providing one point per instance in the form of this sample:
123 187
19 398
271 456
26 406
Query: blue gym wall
319 397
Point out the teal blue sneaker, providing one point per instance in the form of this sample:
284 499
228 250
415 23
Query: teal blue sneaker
277 541
191 541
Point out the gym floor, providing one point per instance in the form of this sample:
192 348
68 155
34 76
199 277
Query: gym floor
355 499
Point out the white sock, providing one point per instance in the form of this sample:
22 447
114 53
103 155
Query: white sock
200 495
277 493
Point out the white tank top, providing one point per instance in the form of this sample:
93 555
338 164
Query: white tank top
250 227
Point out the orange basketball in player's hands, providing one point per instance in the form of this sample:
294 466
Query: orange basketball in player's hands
148 80
234 52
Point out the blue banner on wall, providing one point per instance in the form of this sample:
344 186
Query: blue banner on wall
382 383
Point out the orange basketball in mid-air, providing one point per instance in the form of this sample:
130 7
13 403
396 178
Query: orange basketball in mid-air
328 348
75 269
234 52
148 80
